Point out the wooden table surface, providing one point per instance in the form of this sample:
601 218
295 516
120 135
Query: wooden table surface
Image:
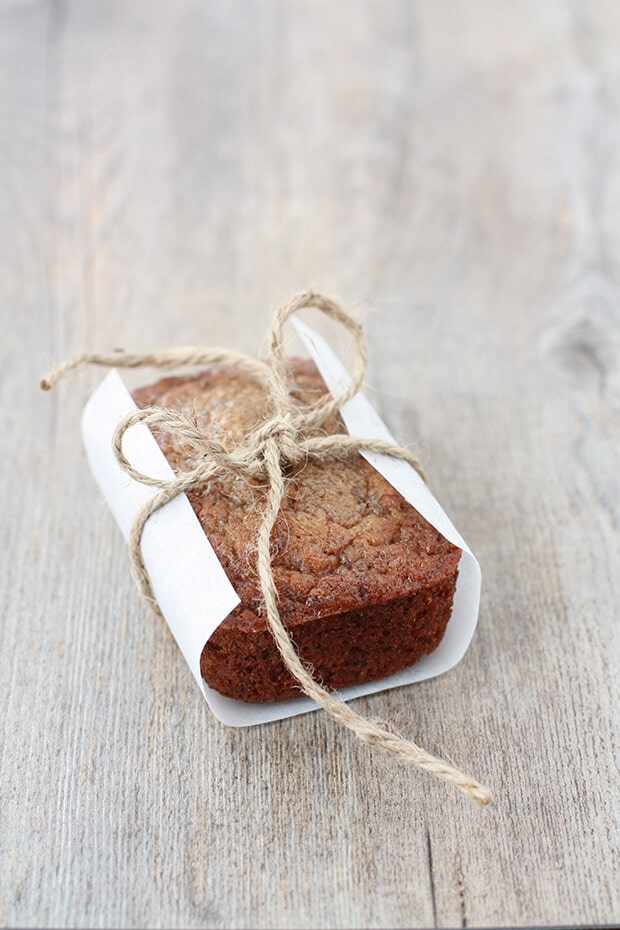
170 173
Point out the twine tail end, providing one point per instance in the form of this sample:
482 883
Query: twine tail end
478 794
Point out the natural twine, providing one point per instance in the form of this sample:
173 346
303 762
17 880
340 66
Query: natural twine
283 439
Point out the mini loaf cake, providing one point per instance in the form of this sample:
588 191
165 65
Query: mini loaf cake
365 584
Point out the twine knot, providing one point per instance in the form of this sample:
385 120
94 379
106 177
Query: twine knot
288 435
282 432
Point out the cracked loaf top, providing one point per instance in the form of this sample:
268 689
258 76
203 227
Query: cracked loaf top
345 538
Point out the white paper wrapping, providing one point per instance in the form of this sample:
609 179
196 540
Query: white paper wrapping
191 587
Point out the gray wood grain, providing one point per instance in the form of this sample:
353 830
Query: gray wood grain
170 173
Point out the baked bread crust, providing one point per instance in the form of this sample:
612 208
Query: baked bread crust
365 583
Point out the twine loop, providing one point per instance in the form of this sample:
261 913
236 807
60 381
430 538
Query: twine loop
287 436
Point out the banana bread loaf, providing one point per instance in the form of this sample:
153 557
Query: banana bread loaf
365 584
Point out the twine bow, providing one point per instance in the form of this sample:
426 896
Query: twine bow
284 438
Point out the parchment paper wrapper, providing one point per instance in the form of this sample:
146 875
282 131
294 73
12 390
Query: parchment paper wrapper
191 587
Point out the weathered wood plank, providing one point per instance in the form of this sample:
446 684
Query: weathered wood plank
173 171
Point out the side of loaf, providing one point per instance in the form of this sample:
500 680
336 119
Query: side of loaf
365 584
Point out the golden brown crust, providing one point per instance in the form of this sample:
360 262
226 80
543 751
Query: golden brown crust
365 583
